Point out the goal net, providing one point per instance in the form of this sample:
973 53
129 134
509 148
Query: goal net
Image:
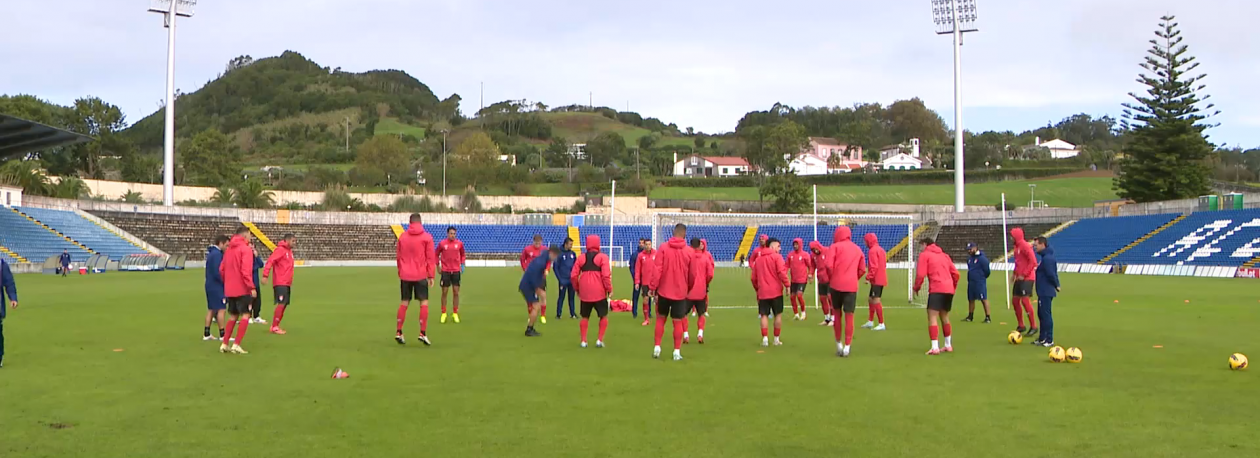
732 236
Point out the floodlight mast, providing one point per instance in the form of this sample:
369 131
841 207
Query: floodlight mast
956 17
170 9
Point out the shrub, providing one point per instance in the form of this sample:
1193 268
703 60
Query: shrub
520 189
470 202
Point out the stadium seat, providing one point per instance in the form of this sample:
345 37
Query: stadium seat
33 242
953 240
327 242
1210 238
81 230
174 234
1091 240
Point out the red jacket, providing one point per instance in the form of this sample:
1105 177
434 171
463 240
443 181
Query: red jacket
592 273
645 268
769 275
756 249
800 263
700 275
529 253
940 270
1025 257
704 248
415 254
673 263
237 268
847 262
450 253
821 267
282 260
876 261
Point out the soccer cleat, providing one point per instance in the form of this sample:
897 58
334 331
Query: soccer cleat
572 317
238 350
803 316
765 341
223 348
686 339
880 327
777 342
277 330
968 319
706 314
542 319
825 322
988 320
947 349
208 337
531 332
424 340
831 323
455 316
1038 342
399 338
933 352
846 351
700 339
1048 344
646 322
1031 332
1021 329
599 344
868 325
442 319
656 351
677 355
583 344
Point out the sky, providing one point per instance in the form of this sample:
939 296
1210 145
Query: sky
697 63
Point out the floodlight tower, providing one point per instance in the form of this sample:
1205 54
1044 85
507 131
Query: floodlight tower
170 10
956 17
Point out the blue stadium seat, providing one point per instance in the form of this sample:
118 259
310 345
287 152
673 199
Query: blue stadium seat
1090 240
33 242
1211 238
495 238
83 231
627 237
888 234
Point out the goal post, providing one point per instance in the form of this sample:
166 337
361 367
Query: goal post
732 236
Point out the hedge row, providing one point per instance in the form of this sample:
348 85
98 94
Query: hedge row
901 177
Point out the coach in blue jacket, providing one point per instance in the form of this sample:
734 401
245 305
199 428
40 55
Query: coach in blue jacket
1047 289
634 298
977 282
8 288
563 267
216 304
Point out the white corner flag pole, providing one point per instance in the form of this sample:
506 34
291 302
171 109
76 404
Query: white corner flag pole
1006 249
817 303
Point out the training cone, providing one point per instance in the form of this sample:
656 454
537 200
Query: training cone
340 373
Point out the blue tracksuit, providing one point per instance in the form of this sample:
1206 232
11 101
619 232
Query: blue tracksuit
535 277
977 277
8 288
634 298
214 280
563 267
65 263
1047 284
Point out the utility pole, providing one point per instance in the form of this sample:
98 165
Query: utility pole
347 134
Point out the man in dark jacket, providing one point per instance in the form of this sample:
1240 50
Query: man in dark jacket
1047 289
216 303
533 285
634 297
8 288
65 262
563 267
977 282
255 307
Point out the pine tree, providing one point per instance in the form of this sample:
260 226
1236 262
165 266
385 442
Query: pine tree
1166 148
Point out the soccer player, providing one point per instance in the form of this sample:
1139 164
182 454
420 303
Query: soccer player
281 260
216 304
591 275
532 283
255 306
634 261
822 271
1025 274
528 254
699 276
769 278
8 287
1047 289
563 268
762 242
450 254
847 267
877 276
239 288
800 266
977 282
416 261
942 283
643 278
669 284
65 262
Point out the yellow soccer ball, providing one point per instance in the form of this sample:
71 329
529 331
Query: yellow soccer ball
1074 355
1057 354
1237 361
1014 338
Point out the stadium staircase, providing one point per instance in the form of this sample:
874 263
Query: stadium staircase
53 231
133 240
1144 238
1041 230
174 234
1060 228
1207 238
918 233
95 238
746 243
575 236
262 238
33 242
398 230
11 255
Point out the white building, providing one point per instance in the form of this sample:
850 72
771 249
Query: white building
10 196
901 157
824 155
578 150
710 166
1059 149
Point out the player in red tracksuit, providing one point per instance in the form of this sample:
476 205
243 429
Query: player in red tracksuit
942 278
451 256
769 278
237 271
592 277
756 249
1025 274
669 285
801 266
282 286
644 274
415 260
699 277
847 267
877 276
822 269
528 254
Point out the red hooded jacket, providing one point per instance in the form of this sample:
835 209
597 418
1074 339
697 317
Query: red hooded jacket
1025 257
700 275
237 268
415 254
450 253
821 266
876 261
847 262
592 273
800 263
529 253
940 270
673 263
756 249
769 274
282 260
645 268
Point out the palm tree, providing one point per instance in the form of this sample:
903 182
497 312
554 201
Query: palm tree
133 197
71 188
26 175
251 194
223 195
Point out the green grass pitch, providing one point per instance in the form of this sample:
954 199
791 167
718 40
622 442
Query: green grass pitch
113 366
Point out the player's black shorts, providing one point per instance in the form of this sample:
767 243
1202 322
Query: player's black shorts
419 290
675 308
1022 288
282 294
797 288
876 291
451 278
824 289
701 306
940 302
844 302
767 307
239 305
600 307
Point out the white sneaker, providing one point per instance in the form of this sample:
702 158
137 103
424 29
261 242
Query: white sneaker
656 351
777 342
804 316
204 338
880 327
238 350
583 344
223 348
765 341
868 325
846 351
599 344
677 355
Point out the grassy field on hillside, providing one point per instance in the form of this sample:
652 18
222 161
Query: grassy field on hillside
581 127
113 366
391 126
1061 192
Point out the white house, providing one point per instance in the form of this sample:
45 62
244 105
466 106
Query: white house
10 196
710 166
901 157
826 155
578 150
508 159
1059 149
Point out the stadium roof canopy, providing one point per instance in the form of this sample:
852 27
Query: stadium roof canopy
19 136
